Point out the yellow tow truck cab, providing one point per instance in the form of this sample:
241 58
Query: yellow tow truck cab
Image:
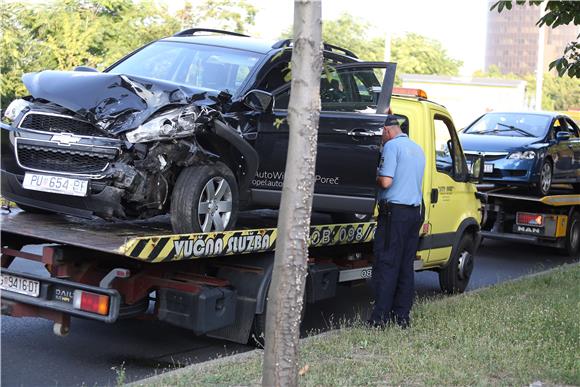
450 234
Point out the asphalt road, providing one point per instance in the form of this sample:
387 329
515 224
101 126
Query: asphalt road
93 352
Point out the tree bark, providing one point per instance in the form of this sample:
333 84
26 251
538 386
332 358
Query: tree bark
285 297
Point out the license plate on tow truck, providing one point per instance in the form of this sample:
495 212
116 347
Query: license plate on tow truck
20 285
55 184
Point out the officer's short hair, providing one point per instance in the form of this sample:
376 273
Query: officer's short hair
391 120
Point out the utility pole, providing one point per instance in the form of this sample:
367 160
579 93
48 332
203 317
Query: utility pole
540 62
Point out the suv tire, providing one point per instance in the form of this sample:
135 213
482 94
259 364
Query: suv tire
204 199
454 277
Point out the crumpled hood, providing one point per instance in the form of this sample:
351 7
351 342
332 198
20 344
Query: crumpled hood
490 143
115 103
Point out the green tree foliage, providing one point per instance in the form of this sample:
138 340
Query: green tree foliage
414 54
231 15
558 13
558 93
68 33
353 34
417 54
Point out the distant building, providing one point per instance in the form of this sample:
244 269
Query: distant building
512 40
467 98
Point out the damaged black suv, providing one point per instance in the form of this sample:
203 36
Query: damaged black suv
193 125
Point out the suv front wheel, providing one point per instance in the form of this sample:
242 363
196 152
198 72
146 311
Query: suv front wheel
204 199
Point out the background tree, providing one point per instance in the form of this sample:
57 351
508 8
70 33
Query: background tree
231 15
417 54
558 93
285 297
557 13
63 34
414 53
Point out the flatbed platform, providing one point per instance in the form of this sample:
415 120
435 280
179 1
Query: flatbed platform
559 197
153 241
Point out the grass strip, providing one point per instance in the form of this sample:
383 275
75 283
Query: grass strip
510 334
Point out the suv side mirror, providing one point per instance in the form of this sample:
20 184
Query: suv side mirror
562 135
86 69
258 100
477 169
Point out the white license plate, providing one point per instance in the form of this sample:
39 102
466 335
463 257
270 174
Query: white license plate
55 184
487 168
20 285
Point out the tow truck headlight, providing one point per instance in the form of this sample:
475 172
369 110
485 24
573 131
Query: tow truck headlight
15 108
169 124
527 155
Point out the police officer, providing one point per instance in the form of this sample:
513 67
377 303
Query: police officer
399 178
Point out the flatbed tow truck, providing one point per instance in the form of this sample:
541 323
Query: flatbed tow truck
211 283
554 220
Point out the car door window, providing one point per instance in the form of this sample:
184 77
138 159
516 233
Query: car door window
448 154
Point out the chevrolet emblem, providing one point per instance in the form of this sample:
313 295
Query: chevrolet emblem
65 139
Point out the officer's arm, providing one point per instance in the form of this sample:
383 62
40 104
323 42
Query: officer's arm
384 181
387 169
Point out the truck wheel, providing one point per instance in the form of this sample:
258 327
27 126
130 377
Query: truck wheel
32 210
204 199
454 277
573 237
543 186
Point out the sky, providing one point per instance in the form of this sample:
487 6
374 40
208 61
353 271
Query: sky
460 25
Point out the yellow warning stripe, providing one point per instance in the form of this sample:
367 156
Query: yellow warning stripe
178 247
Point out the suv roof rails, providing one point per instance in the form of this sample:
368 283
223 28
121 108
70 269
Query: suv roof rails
327 47
193 31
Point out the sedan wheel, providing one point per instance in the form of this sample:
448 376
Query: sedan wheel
545 178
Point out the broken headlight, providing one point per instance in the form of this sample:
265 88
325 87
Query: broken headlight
174 123
15 108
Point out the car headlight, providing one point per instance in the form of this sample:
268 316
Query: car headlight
527 155
173 123
15 108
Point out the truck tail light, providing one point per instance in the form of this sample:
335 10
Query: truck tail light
524 218
91 302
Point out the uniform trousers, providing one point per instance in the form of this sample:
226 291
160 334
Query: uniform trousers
395 248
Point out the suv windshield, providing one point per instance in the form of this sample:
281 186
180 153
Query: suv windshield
510 124
210 67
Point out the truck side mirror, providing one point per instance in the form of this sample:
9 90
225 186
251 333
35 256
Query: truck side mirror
258 100
562 135
477 169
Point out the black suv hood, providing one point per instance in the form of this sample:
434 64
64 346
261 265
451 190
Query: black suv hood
115 103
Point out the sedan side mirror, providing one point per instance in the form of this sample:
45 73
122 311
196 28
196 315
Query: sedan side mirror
258 100
477 170
86 69
562 135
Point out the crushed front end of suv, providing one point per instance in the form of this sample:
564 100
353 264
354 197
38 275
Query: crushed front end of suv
194 125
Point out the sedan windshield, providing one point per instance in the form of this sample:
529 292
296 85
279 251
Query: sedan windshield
209 67
511 124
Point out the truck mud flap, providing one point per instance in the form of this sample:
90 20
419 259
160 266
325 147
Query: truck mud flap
59 295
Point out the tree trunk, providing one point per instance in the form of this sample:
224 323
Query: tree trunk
285 297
